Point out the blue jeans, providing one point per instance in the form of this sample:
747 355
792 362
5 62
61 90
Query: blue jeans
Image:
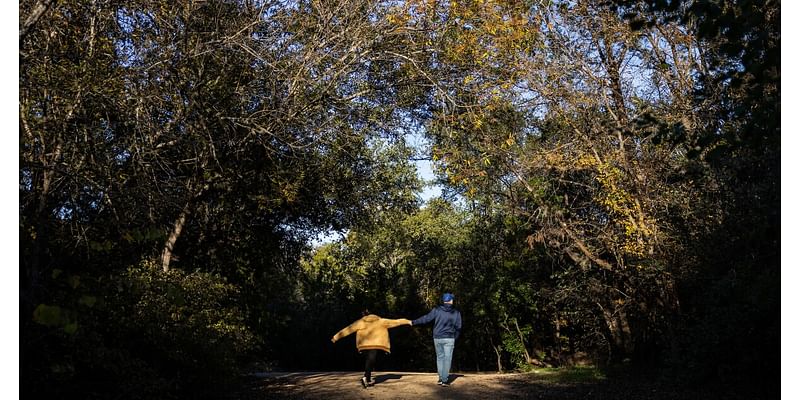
444 356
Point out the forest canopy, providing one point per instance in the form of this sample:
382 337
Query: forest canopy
610 174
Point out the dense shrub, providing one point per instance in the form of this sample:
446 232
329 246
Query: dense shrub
151 334
185 324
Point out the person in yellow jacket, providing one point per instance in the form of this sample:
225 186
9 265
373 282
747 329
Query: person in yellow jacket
372 335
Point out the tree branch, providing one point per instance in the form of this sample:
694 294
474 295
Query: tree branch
33 18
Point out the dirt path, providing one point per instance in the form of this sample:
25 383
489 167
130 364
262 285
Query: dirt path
411 385
539 385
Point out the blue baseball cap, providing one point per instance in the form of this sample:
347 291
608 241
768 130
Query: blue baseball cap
447 297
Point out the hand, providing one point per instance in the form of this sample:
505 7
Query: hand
333 340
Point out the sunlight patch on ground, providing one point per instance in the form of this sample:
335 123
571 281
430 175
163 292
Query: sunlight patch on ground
571 374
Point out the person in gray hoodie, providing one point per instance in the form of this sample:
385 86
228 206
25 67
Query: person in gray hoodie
446 329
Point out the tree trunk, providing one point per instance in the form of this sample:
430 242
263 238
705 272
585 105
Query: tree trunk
528 358
180 222
558 339
40 226
620 330
166 255
497 353
34 16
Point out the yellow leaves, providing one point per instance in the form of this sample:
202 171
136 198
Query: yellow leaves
289 187
638 230
397 18
586 161
488 33
555 159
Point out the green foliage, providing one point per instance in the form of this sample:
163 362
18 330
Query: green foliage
144 333
613 187
190 321
228 136
516 347
54 316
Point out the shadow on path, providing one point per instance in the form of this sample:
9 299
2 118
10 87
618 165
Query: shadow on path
385 377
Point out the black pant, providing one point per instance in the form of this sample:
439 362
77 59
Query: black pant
371 357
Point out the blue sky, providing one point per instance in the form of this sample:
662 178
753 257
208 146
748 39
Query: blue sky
424 167
424 171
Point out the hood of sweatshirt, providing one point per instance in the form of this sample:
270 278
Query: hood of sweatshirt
371 318
447 308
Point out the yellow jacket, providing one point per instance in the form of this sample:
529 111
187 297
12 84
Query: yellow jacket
372 332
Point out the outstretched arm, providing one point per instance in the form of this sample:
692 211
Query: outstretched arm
425 318
346 331
391 323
